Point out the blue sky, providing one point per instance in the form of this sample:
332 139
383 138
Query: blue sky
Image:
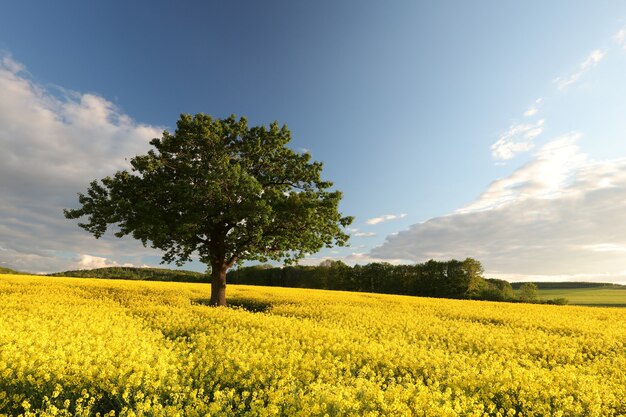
449 122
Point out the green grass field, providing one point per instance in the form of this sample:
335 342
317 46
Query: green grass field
602 297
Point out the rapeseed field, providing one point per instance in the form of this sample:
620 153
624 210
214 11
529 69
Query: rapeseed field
83 347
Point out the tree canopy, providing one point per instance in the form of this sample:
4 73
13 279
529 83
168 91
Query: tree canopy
222 191
528 291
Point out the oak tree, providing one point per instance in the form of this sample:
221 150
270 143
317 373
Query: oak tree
222 191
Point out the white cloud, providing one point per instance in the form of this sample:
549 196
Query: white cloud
52 147
90 262
620 38
543 177
384 218
517 139
531 111
534 108
13 66
592 60
560 215
365 234
605 247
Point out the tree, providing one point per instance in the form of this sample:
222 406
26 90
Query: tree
497 290
528 292
223 191
472 278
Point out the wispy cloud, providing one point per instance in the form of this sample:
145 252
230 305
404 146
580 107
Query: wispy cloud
365 234
605 247
11 65
531 111
517 139
544 177
592 60
534 108
620 38
355 231
384 218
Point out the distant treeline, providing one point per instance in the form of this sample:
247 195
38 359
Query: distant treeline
450 279
146 274
567 285
4 270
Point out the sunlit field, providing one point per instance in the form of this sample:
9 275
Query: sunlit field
80 346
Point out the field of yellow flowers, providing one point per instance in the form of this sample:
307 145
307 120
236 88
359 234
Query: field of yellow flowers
78 347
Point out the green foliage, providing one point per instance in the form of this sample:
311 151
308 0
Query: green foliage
221 190
528 292
147 274
497 290
4 270
451 279
561 301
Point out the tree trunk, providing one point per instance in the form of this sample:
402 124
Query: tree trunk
218 285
